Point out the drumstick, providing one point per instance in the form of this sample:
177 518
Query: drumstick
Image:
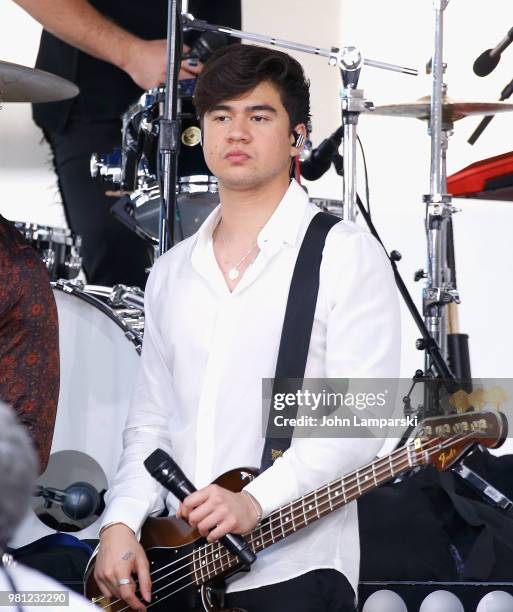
453 319
117 194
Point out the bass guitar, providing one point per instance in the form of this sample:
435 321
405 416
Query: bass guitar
188 573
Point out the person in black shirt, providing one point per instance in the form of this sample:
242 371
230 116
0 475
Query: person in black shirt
113 50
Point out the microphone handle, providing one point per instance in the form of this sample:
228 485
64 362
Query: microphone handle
238 546
507 92
480 129
503 45
174 480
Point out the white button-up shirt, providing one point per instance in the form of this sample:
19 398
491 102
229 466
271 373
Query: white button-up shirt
28 580
205 352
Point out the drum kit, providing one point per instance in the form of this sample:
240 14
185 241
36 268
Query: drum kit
101 328
100 338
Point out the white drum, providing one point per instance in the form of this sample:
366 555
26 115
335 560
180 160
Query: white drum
99 357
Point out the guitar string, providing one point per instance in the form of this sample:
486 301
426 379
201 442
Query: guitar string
405 461
228 555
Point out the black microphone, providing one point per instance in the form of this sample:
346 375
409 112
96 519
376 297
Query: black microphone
322 156
160 465
206 44
489 59
79 501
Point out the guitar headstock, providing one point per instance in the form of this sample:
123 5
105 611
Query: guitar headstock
442 440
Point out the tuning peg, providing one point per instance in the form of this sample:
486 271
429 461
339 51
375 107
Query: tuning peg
477 399
497 396
460 400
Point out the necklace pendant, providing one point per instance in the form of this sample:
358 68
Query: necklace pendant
233 274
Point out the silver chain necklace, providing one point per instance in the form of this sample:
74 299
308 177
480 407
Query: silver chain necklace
234 272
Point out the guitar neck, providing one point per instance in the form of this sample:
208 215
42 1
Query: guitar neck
321 502
214 560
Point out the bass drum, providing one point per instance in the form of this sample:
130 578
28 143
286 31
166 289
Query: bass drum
99 358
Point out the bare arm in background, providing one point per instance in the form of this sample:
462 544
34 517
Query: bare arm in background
79 24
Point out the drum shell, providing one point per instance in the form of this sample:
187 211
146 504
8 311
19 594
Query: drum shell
99 367
191 160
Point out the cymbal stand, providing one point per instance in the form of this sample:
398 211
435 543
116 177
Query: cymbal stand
349 60
169 129
439 290
353 104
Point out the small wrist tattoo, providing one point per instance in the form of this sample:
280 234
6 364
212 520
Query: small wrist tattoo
128 555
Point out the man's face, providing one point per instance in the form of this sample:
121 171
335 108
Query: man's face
247 142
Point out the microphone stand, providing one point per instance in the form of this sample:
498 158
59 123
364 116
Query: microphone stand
447 377
505 94
169 129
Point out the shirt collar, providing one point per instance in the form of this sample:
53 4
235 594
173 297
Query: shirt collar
202 254
282 227
284 224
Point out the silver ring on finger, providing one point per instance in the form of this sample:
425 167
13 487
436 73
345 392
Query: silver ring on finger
124 581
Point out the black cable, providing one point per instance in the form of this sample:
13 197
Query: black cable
367 191
438 361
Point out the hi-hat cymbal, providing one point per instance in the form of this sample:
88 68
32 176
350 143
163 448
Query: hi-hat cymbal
451 110
23 84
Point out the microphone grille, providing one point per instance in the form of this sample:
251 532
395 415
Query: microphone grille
485 63
154 461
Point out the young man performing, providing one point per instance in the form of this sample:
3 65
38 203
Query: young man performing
215 306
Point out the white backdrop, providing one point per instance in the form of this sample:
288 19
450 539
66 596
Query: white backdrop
399 31
398 152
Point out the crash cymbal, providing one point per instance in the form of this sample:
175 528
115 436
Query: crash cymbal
23 84
452 111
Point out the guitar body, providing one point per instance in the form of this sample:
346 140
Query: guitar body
170 545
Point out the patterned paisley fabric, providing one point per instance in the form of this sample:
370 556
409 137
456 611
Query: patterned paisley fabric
29 339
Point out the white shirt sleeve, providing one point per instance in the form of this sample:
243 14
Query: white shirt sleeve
358 293
28 579
134 494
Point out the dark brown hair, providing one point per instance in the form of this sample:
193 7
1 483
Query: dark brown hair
234 70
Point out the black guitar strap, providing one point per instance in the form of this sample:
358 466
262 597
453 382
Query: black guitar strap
297 329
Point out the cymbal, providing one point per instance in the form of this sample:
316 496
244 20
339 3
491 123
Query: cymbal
23 84
451 110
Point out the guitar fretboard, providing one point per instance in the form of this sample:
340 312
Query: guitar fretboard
212 560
